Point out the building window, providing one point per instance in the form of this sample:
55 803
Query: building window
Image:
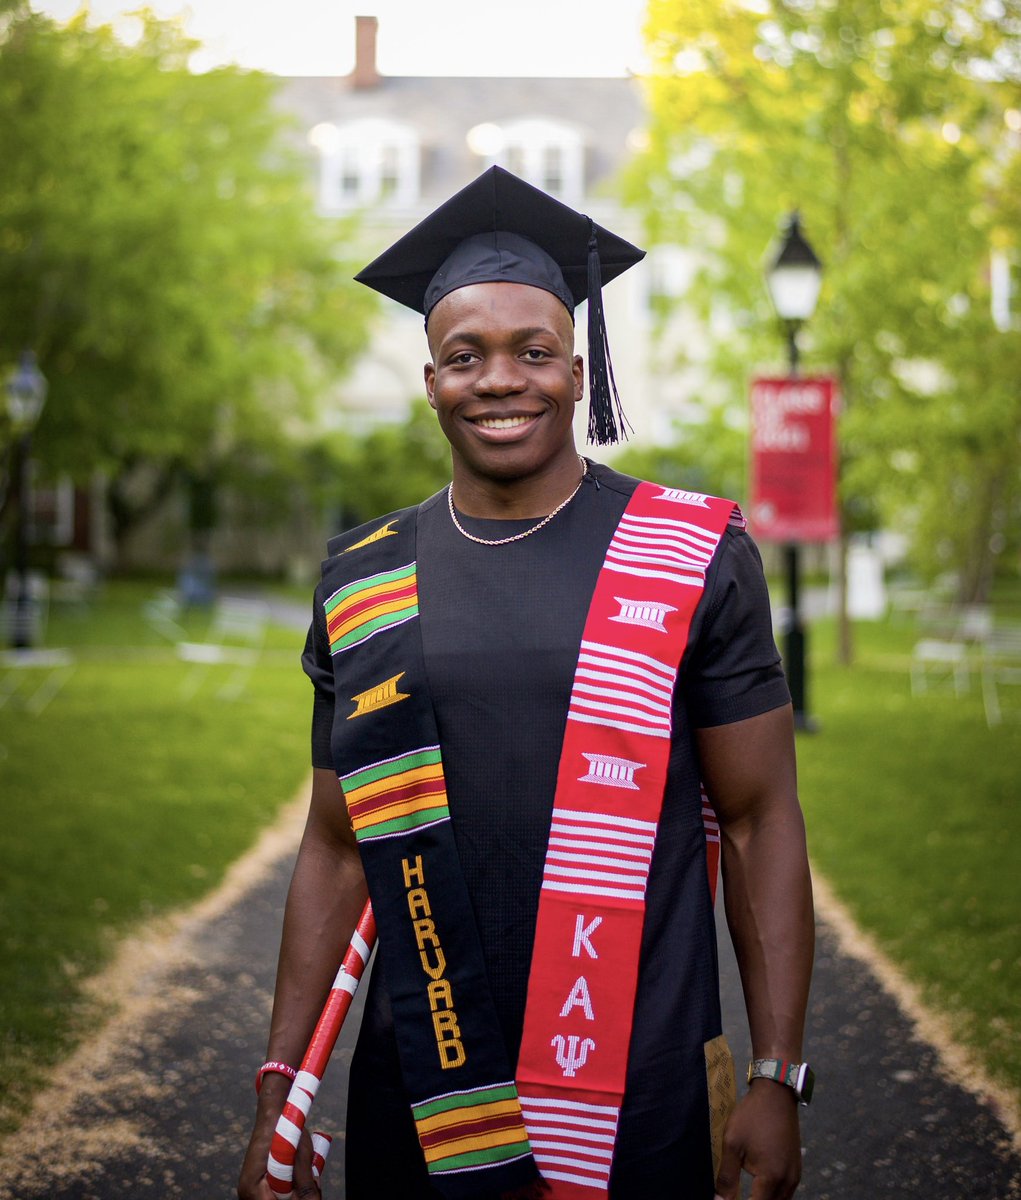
549 154
553 170
515 161
371 161
390 172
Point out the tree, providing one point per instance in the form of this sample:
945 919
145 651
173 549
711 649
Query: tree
884 125
708 456
391 466
160 252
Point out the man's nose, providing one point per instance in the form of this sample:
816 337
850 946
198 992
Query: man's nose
501 376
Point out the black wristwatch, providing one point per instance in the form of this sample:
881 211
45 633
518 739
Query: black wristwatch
798 1076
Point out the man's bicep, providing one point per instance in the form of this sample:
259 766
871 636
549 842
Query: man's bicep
748 767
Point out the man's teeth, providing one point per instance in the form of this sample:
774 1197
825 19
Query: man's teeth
502 422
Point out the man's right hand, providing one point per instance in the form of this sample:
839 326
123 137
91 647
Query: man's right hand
252 1182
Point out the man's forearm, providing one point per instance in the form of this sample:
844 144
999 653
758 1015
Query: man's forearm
325 900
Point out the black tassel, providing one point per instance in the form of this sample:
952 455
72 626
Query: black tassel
607 423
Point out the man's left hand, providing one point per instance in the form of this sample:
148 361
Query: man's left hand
764 1138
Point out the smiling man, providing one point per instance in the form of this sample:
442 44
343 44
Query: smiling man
545 699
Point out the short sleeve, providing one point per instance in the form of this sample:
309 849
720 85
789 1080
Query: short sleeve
733 669
318 666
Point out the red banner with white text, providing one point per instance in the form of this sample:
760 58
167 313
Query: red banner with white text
793 461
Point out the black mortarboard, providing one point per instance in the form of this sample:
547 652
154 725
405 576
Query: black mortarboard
501 229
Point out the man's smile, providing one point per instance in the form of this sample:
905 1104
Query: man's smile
504 422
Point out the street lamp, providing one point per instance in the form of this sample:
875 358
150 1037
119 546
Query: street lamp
794 278
26 394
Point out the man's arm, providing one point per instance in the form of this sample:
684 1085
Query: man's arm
748 769
325 900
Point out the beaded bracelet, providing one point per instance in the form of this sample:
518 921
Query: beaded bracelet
274 1068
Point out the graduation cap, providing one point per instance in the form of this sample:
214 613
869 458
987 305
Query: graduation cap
501 229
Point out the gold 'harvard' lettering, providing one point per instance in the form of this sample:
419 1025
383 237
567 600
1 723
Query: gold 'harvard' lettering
434 964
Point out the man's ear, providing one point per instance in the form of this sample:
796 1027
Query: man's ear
430 382
578 370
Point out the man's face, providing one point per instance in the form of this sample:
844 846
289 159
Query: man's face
504 379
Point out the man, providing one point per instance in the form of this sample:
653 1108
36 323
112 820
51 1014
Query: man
522 686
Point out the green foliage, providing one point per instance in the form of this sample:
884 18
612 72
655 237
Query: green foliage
388 467
130 801
707 456
884 124
160 252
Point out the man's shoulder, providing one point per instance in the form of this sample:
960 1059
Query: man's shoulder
616 481
370 531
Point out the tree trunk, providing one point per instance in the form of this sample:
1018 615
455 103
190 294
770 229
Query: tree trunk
130 505
979 563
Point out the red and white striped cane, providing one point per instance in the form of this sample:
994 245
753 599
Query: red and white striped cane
280 1168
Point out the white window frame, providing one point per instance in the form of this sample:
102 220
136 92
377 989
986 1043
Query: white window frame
369 161
528 146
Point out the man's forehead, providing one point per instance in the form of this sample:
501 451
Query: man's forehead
511 309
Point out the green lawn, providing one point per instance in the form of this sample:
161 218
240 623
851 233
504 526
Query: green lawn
122 800
913 808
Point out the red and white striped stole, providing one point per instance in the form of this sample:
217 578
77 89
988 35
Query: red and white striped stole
613 768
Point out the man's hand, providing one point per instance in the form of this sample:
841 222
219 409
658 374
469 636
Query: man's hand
252 1182
762 1137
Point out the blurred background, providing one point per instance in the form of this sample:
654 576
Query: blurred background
196 395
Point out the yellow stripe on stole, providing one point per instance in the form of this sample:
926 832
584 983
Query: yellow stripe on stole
402 808
502 1137
379 787
456 1116
377 589
369 614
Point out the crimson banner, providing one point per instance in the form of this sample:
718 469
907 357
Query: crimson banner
793 483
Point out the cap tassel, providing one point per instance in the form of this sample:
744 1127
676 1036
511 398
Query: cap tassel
607 423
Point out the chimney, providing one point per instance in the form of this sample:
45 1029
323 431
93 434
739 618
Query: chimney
365 74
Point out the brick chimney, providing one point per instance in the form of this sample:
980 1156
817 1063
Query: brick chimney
365 74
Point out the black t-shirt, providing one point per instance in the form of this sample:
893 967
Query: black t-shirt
501 628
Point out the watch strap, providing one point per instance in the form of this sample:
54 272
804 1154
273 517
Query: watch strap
795 1075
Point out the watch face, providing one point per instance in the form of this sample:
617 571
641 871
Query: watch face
806 1083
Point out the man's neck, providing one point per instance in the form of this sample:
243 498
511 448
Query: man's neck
523 498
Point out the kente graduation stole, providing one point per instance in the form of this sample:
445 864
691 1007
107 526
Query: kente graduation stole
476 1135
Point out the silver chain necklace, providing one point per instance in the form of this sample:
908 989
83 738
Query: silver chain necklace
517 536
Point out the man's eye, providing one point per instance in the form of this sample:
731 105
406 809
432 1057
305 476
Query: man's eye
535 354
463 358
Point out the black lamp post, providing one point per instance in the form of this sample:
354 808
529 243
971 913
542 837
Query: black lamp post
794 278
26 394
